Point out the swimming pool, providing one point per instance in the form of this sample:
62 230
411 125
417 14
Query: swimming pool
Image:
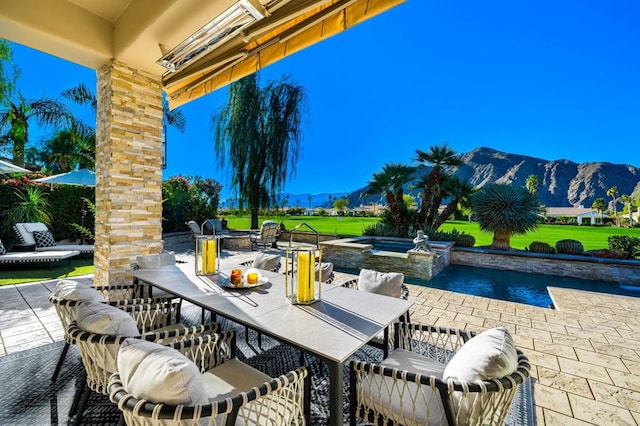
530 289
514 286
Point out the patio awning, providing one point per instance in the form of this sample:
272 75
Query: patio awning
290 26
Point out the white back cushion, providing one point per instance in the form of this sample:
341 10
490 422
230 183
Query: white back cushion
72 290
160 374
266 261
324 271
156 260
35 226
388 284
100 318
489 355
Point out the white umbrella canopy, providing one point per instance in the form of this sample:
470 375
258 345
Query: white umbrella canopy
81 177
6 167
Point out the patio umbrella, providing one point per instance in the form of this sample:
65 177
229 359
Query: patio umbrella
80 177
6 167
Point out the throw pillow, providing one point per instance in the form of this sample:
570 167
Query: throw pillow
160 374
44 239
73 290
385 283
266 261
100 318
489 355
2 249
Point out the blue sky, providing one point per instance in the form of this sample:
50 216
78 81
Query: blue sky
547 79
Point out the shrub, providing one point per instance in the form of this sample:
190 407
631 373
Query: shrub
465 240
435 235
379 230
625 243
540 247
569 246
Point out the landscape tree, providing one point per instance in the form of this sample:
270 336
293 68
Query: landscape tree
341 204
628 203
600 206
309 199
67 149
532 183
613 193
389 182
437 157
258 133
459 192
505 210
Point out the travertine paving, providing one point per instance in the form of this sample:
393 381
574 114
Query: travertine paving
585 354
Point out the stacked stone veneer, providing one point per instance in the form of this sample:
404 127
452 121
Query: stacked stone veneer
348 253
128 170
599 269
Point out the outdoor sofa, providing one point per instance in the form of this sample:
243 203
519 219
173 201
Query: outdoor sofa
49 256
37 234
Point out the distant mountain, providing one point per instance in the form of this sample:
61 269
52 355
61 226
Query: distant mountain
317 200
563 183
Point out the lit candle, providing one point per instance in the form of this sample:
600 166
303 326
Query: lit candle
305 277
211 256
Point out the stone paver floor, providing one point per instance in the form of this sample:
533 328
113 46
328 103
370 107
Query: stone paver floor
585 355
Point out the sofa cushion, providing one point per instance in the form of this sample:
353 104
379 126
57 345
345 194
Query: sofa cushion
385 283
160 374
35 226
44 239
73 290
266 261
100 318
489 355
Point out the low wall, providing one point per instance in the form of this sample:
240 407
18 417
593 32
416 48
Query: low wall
590 268
356 253
173 238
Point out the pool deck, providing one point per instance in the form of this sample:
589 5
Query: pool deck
585 354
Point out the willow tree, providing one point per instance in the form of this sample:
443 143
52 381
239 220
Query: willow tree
258 133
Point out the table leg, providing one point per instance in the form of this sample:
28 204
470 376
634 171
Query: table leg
336 385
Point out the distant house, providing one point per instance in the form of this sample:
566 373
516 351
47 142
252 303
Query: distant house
580 213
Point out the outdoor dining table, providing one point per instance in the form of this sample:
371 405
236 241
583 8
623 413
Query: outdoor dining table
332 329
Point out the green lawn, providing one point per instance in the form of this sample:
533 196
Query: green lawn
29 273
591 237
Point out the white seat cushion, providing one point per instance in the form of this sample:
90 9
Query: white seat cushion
231 377
160 374
398 398
72 290
385 283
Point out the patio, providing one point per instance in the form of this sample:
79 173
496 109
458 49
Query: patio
584 355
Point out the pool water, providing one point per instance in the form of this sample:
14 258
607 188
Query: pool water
514 286
393 246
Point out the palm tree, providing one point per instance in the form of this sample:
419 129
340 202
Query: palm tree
20 112
505 210
460 192
437 157
532 183
613 193
258 132
389 182
628 202
68 149
309 199
600 206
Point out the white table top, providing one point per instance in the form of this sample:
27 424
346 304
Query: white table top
333 328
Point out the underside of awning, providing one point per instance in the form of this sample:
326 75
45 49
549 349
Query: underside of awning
290 26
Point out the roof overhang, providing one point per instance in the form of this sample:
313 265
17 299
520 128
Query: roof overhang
140 32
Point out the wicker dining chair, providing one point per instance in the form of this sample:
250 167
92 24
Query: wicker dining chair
154 321
389 284
234 393
409 388
66 308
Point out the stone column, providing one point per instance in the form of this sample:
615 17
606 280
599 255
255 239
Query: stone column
128 170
